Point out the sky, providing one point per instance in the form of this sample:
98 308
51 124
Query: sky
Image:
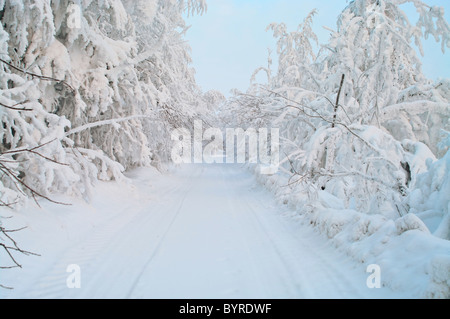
229 41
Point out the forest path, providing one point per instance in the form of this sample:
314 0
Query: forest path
202 231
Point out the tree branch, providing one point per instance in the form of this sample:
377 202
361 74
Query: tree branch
105 122
13 107
42 77
33 151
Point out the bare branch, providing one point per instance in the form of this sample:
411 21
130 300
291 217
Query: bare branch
18 182
42 77
6 287
10 249
15 108
33 151
356 173
301 108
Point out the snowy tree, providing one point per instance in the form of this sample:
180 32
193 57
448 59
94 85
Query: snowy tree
373 47
92 87
295 52
163 68
34 161
358 117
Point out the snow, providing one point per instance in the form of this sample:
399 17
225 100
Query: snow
404 248
91 91
199 231
430 198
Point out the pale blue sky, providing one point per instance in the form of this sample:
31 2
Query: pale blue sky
229 42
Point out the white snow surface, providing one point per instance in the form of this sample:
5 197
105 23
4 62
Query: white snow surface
412 258
197 231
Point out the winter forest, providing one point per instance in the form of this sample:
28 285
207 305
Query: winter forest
93 205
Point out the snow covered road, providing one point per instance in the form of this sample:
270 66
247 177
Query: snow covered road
203 231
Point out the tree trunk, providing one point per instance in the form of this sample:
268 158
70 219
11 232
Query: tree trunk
337 101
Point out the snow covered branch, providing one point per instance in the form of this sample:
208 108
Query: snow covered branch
8 166
112 122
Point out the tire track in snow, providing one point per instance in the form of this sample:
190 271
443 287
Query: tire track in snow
321 273
101 253
157 247
279 270
209 232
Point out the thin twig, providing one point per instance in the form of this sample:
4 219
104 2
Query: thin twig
6 287
42 77
15 108
33 151
3 230
34 193
16 247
